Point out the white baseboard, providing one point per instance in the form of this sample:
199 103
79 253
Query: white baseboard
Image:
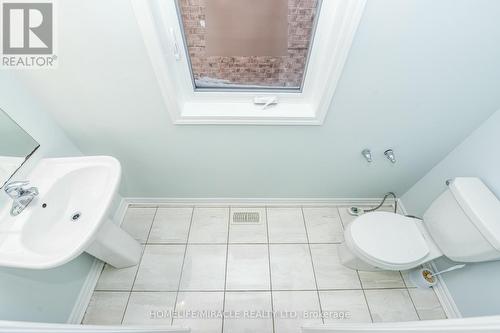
444 296
441 290
85 294
158 202
83 300
401 207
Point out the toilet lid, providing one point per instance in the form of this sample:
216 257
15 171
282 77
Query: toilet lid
389 238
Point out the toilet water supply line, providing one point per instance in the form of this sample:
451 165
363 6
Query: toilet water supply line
356 211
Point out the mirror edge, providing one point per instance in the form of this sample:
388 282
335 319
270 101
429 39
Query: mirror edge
20 166
27 156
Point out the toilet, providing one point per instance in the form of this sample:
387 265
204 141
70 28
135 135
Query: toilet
463 224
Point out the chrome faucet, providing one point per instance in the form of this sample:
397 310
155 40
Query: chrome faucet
22 196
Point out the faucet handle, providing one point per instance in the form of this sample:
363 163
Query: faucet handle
14 189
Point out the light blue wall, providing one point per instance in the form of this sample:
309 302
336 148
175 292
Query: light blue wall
31 295
414 66
475 289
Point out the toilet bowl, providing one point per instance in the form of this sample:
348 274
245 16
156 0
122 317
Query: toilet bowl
388 241
461 224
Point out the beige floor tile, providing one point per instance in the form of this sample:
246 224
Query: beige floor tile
106 308
390 305
137 222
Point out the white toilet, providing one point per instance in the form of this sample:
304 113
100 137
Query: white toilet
463 224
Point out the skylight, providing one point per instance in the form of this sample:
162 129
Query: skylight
241 44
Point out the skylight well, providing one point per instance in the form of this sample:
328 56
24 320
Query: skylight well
248 62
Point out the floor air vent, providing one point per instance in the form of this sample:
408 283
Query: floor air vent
246 218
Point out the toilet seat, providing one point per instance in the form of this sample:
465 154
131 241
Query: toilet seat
389 241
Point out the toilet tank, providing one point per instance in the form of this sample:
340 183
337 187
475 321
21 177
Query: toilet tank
464 221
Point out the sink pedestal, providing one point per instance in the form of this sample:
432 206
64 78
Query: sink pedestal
114 246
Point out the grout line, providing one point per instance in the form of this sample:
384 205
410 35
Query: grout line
312 264
269 266
182 266
385 288
409 295
138 266
225 272
364 295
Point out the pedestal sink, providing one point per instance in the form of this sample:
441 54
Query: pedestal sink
68 217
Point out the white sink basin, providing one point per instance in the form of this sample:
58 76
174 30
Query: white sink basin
68 217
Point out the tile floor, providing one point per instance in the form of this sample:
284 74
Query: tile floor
269 277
